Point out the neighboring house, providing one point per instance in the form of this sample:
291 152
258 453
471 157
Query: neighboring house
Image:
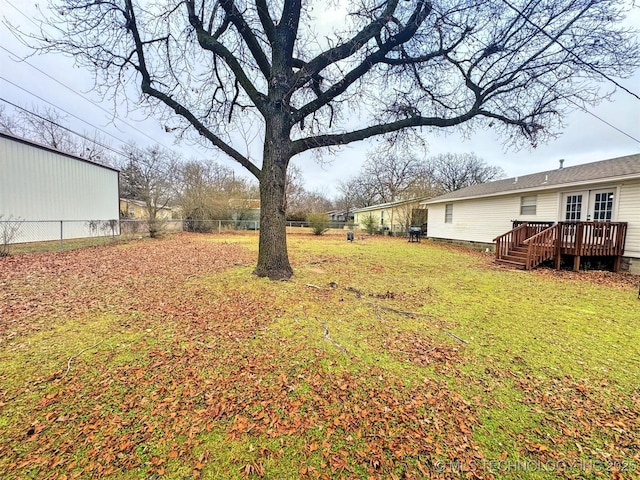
340 216
55 194
387 217
244 209
137 209
603 197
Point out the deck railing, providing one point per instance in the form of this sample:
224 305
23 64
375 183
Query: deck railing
546 240
533 227
542 246
509 240
593 238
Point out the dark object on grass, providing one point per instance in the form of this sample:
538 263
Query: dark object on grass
350 236
414 234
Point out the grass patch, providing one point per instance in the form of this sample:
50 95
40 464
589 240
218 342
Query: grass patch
380 358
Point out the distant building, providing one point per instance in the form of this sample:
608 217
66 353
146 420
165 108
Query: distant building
394 217
340 216
59 191
137 209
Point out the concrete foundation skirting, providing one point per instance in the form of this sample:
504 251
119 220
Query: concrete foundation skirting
631 265
482 246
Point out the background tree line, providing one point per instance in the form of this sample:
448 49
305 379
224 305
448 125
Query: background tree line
389 176
392 69
204 190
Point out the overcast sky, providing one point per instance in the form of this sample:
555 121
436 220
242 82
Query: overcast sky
585 138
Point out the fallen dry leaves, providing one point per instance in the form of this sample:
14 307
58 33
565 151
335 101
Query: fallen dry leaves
210 367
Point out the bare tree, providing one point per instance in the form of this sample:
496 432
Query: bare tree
452 171
9 232
308 203
210 191
395 65
8 123
49 127
293 189
149 175
356 193
389 174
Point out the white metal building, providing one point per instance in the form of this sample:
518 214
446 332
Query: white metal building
55 195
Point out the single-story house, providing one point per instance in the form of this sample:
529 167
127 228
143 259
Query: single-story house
244 209
137 209
594 210
340 216
392 217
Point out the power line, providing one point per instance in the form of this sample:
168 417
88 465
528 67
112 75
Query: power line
75 92
22 13
107 147
588 65
125 155
568 99
62 109
603 121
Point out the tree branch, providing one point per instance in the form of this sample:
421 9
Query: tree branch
266 21
177 107
420 13
320 141
333 55
248 36
210 43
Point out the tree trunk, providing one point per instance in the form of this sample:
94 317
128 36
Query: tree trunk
273 258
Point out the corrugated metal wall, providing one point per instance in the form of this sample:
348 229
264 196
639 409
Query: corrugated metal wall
40 184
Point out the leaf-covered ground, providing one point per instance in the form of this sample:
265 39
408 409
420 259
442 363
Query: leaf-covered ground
379 359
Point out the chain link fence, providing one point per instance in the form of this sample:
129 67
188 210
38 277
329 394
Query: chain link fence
14 231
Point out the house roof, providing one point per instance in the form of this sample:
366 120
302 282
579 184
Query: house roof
614 169
380 206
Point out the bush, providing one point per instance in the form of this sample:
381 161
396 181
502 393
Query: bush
369 224
319 223
9 229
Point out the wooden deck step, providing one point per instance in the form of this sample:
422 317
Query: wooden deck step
511 262
515 258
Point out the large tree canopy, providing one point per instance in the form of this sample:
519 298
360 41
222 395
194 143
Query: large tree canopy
220 68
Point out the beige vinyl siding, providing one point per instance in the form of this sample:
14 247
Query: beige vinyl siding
395 217
629 211
361 217
479 220
547 209
483 219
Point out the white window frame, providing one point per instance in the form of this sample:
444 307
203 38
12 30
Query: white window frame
611 209
448 213
528 204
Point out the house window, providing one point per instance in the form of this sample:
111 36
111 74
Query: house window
382 217
528 205
448 213
574 208
603 206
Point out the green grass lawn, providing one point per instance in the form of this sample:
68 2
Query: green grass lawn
379 359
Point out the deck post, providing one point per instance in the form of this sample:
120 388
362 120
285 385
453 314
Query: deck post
558 252
579 242
616 263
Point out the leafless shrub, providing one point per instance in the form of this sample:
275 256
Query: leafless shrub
9 230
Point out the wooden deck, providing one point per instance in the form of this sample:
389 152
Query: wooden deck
529 244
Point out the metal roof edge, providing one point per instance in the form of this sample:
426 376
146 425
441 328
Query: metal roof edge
41 146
